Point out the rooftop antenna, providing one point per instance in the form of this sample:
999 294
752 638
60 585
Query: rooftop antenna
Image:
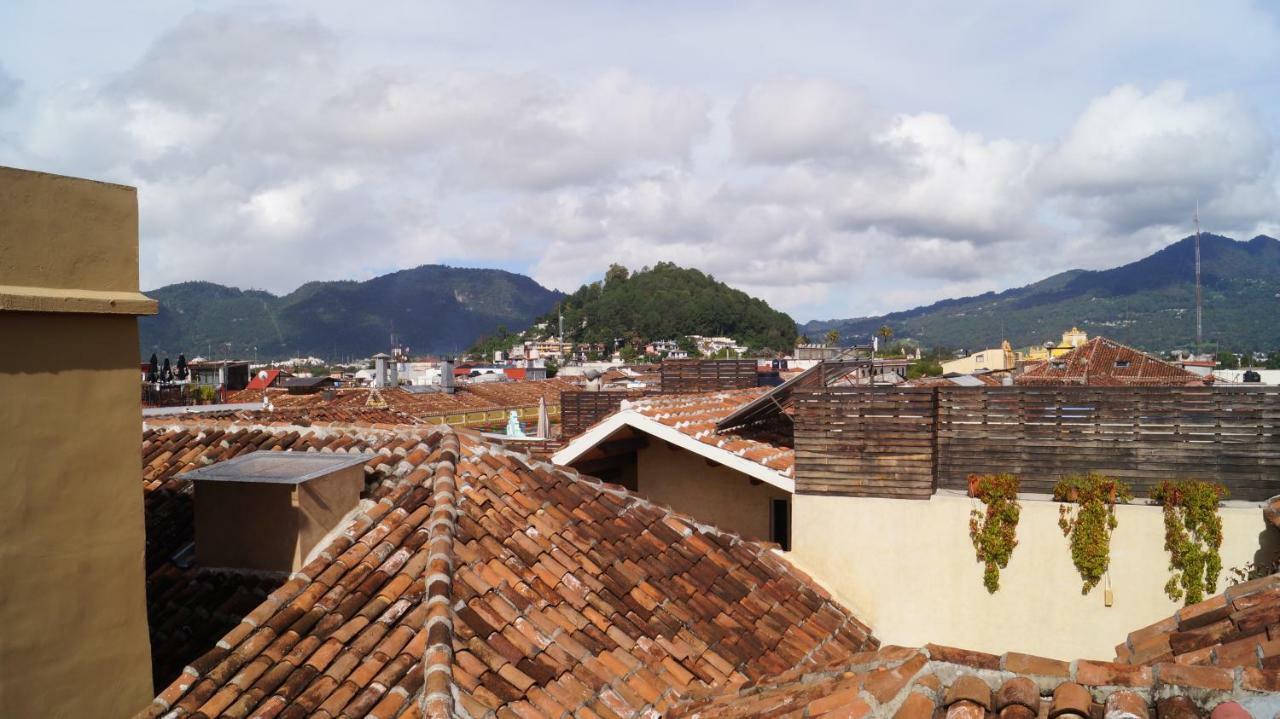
1199 298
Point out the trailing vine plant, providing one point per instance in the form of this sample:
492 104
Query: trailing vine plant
994 530
1087 519
1192 536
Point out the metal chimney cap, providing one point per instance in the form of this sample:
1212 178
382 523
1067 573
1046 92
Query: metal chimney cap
277 467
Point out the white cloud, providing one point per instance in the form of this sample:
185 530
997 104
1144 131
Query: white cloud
858 168
788 119
1135 159
254 136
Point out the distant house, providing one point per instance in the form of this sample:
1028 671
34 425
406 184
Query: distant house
987 360
268 378
228 374
308 385
817 351
1105 362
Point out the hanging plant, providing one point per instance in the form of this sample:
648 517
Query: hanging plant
1192 536
1088 519
994 531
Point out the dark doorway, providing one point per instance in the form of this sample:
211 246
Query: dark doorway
780 523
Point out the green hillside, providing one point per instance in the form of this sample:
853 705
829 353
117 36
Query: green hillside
1149 304
668 302
432 308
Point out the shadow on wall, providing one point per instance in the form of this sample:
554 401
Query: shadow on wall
68 342
1268 547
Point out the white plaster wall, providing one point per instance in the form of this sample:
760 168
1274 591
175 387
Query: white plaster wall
908 569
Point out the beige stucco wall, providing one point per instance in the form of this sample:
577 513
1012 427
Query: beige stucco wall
270 527
96 222
907 568
73 631
711 493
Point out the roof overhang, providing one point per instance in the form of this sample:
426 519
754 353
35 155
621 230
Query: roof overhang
626 418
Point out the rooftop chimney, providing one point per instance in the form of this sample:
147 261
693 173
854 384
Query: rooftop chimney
266 511
446 375
380 369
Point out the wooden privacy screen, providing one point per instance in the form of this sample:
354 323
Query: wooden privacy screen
878 442
579 410
865 442
707 375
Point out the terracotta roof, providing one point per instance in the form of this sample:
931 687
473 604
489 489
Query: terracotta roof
938 681
402 406
189 608
1238 628
696 415
483 582
1102 361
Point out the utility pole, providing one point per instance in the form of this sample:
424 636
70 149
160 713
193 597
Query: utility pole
1199 296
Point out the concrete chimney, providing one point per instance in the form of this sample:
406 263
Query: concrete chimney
380 369
266 511
446 375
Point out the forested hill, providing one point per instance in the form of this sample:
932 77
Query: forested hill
1149 303
432 308
667 302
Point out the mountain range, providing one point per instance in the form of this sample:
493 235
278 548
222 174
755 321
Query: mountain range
1149 303
432 308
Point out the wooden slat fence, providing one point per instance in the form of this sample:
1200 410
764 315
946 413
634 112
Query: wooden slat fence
707 375
848 440
579 410
854 441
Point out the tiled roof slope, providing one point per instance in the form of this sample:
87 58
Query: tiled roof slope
189 608
1238 628
696 415
941 681
468 397
485 583
1095 363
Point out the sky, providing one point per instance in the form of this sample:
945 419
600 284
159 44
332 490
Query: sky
837 159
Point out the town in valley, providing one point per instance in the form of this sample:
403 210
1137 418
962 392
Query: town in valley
614 361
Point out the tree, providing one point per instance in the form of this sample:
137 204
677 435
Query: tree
924 367
885 332
1227 360
833 338
617 274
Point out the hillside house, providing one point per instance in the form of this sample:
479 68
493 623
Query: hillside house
1104 362
988 360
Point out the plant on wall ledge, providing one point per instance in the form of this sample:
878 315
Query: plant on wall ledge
1192 536
994 531
1088 519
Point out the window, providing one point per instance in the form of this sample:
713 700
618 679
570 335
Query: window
780 523
1121 364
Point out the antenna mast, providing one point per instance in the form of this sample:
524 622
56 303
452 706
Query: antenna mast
1199 297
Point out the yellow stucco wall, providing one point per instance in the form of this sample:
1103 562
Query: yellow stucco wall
95 223
713 494
73 631
907 568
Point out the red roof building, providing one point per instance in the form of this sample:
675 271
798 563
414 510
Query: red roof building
1105 362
